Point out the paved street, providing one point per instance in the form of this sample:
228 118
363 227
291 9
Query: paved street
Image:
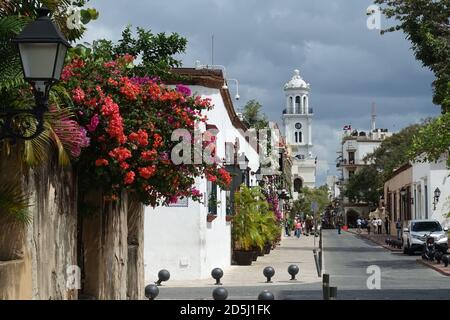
346 259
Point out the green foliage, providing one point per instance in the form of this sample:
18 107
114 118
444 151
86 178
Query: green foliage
10 68
366 185
156 51
432 141
253 116
426 25
393 151
253 224
13 203
308 196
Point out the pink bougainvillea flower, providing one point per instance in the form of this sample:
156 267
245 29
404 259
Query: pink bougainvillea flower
93 123
183 90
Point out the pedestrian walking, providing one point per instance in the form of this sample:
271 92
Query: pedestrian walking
398 226
386 225
287 227
368 226
358 225
380 226
298 229
374 225
339 224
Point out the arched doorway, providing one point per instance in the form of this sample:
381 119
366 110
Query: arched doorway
352 216
298 185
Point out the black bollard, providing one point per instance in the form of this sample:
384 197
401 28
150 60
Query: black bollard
445 259
333 293
220 293
326 286
269 272
217 274
266 295
163 275
151 291
293 271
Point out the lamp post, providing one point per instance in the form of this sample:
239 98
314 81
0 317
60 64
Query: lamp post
243 165
437 194
42 48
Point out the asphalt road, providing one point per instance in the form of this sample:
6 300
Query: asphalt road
348 257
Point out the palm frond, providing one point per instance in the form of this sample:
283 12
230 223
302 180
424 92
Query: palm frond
14 203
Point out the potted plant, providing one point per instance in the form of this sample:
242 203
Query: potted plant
246 230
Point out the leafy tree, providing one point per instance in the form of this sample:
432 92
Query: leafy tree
393 151
155 51
318 195
366 185
426 24
253 116
432 141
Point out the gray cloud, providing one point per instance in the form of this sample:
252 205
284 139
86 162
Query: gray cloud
261 42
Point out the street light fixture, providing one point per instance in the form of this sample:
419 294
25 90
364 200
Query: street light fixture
42 48
437 194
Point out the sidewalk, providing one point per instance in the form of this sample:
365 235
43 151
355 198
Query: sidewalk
379 239
291 251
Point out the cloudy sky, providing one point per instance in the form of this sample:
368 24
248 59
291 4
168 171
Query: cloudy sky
262 42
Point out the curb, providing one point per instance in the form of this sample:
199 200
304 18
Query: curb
435 268
380 244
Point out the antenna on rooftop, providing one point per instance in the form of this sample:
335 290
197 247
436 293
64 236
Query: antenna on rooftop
374 116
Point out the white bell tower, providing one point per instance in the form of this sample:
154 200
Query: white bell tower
297 122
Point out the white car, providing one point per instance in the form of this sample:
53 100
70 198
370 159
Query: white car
415 235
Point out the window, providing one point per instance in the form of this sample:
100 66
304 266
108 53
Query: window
300 137
305 103
351 157
296 137
297 104
212 197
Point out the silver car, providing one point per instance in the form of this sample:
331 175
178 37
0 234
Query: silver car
415 235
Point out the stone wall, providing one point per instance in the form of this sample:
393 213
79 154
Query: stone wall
35 259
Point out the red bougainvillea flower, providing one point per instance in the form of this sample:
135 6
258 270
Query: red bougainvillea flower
78 95
149 155
101 162
129 177
147 172
211 177
140 137
124 166
120 154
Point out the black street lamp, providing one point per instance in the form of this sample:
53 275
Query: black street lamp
42 49
437 195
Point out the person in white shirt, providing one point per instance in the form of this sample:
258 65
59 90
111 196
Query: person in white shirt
380 225
358 224
375 225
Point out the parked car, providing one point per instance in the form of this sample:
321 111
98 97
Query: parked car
417 231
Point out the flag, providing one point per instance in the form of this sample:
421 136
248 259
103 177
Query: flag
347 127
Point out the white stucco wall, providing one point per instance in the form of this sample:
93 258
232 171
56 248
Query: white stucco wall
432 175
180 239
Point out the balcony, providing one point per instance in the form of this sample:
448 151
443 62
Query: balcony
347 163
